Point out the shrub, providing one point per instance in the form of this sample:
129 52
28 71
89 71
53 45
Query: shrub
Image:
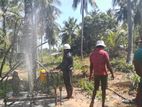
135 79
121 65
50 61
86 85
84 70
4 88
77 63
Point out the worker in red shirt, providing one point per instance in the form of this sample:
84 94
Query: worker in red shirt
99 64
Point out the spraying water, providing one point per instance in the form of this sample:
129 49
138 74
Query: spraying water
29 66
29 44
28 59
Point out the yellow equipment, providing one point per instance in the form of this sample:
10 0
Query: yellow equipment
43 75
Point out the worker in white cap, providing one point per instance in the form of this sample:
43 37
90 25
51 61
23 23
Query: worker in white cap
66 66
99 64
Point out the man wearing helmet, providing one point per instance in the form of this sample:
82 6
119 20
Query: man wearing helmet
99 63
66 66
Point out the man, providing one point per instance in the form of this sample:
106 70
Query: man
66 66
15 83
99 62
138 68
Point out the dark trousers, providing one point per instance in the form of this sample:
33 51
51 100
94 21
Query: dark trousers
139 94
67 76
102 80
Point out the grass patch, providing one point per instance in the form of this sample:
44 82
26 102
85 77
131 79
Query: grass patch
86 85
4 88
77 63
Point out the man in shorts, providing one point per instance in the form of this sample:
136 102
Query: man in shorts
99 63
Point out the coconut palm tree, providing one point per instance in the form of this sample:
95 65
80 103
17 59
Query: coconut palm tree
47 14
46 27
84 6
68 32
125 14
131 12
9 16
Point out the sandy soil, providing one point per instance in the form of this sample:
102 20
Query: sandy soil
120 86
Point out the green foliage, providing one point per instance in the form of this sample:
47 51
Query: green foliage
96 24
5 68
114 39
50 60
69 31
135 79
121 65
10 16
4 88
77 63
56 79
84 68
86 85
46 10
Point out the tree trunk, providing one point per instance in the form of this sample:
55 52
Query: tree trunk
140 11
130 33
82 26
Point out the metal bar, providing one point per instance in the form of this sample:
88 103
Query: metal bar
60 88
26 99
55 96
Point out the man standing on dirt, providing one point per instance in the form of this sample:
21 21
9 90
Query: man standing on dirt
138 68
99 62
66 66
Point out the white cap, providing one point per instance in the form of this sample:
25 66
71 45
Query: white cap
100 43
67 46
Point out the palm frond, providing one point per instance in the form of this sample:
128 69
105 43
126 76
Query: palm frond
121 14
57 2
75 3
93 3
114 3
